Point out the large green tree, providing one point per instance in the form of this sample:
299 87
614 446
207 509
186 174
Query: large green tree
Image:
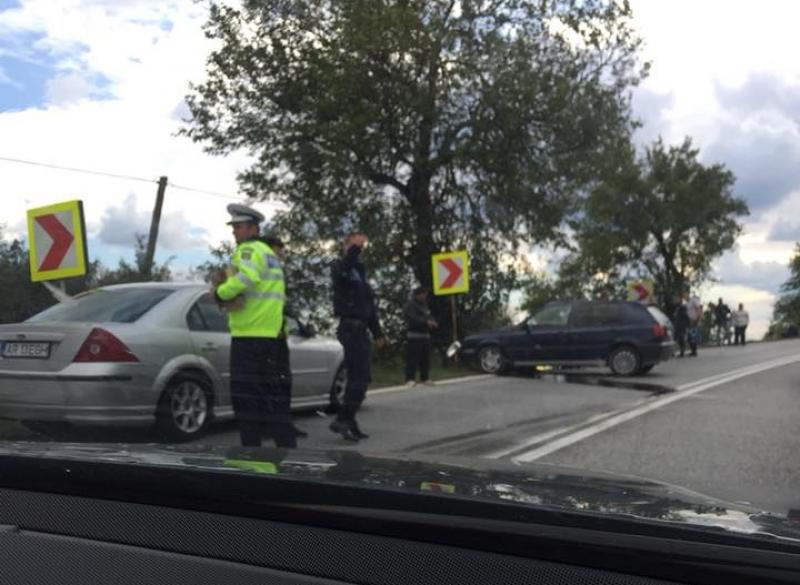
664 216
786 313
427 124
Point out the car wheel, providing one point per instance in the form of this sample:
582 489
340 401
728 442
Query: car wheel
624 361
491 360
185 409
645 369
337 391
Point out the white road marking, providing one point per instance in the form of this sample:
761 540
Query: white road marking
546 436
617 418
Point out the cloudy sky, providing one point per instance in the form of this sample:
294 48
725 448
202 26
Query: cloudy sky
99 84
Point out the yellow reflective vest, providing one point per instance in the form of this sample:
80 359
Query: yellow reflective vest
258 278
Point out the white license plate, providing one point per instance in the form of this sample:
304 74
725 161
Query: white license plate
26 349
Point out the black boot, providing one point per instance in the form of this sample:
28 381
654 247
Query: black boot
345 429
357 431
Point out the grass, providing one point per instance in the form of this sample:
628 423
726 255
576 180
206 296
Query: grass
392 372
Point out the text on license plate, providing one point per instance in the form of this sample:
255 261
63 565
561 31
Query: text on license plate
26 349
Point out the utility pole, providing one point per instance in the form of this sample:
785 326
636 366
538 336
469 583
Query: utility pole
151 240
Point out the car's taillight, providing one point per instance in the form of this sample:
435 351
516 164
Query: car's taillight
659 330
102 346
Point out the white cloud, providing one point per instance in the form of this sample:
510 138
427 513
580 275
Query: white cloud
765 276
148 66
121 224
69 87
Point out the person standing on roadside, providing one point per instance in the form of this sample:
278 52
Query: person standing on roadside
682 323
354 305
722 315
419 323
741 319
259 399
694 308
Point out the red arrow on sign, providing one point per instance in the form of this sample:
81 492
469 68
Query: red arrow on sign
642 291
62 240
454 272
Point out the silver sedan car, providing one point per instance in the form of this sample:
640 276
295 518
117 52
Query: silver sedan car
139 354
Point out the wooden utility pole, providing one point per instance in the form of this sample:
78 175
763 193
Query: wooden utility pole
154 223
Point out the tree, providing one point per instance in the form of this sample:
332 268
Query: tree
427 124
786 313
23 298
665 216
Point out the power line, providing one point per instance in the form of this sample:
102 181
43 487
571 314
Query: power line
213 193
116 176
77 170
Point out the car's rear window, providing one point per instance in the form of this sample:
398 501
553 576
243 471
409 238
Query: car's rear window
659 315
126 305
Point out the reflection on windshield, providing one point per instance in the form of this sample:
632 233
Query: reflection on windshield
126 305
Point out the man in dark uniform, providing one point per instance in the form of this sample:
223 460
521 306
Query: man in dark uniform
354 305
260 401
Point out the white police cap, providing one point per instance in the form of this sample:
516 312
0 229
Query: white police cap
243 213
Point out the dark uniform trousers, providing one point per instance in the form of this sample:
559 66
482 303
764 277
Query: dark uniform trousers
418 356
261 397
354 337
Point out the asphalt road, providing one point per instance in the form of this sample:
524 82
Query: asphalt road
726 424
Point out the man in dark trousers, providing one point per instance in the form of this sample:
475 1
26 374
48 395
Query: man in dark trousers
419 323
259 399
284 358
682 323
354 305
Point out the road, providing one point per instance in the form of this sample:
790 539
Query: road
726 424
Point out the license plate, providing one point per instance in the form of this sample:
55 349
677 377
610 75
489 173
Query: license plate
26 349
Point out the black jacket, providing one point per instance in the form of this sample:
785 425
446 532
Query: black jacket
417 316
681 319
353 297
721 313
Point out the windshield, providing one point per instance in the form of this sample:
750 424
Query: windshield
551 315
516 235
106 305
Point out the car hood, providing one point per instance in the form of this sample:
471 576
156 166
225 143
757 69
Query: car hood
536 485
491 334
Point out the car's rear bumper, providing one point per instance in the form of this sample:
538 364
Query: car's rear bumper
90 394
653 353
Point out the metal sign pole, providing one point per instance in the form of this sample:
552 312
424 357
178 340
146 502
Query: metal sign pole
455 321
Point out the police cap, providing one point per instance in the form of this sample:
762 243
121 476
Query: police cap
242 214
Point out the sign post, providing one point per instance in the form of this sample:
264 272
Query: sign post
57 237
451 277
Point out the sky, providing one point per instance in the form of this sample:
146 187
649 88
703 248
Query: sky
99 84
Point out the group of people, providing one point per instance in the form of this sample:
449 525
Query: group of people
253 293
689 315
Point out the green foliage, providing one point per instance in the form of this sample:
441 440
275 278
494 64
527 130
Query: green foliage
786 313
665 216
21 297
427 124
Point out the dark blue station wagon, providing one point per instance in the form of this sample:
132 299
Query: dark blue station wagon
628 337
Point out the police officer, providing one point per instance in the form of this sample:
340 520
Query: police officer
260 401
354 305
